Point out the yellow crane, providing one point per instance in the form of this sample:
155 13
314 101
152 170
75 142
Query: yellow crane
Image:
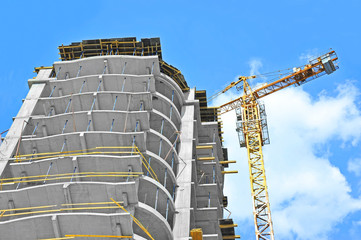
253 133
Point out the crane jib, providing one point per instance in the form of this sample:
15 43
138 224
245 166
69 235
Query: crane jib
297 77
319 66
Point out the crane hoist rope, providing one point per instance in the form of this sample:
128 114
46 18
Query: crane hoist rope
251 127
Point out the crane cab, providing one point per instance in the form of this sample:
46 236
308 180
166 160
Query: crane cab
328 64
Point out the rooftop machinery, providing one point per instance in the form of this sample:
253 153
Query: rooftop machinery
253 132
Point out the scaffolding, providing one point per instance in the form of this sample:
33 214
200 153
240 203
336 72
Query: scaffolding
208 114
122 46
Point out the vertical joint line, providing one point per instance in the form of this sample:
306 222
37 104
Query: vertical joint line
87 129
115 101
81 88
52 91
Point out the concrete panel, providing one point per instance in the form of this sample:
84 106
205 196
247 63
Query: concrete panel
184 175
161 146
153 221
39 227
207 219
166 86
169 128
115 101
101 120
159 166
90 163
77 192
165 106
148 195
84 102
74 142
109 82
8 147
115 65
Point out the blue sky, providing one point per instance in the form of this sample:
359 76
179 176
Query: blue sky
313 163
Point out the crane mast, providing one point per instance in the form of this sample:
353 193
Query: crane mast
251 116
253 140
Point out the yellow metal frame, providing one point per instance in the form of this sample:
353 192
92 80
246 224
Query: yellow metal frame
231 237
231 85
68 52
61 238
52 177
94 236
228 225
228 172
55 208
197 234
90 151
72 236
134 219
226 162
82 50
309 71
37 69
206 158
252 130
204 147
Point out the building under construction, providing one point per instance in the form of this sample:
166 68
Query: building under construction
110 142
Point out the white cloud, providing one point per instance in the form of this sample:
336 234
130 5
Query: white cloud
354 165
255 65
355 230
308 194
309 55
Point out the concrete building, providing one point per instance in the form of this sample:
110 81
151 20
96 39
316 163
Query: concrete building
110 141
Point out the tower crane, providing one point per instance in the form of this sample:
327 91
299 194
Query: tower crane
253 132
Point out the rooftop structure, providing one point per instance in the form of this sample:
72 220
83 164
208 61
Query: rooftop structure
111 142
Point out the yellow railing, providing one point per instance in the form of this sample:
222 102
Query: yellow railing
64 207
52 177
127 150
72 236
97 236
61 238
89 151
134 219
56 208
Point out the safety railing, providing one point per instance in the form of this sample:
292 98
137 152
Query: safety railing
56 208
90 151
112 150
64 176
72 236
75 207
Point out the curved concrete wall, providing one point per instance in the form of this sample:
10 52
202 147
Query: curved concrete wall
112 101
75 133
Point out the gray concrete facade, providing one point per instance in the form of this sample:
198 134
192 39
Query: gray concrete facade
110 127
